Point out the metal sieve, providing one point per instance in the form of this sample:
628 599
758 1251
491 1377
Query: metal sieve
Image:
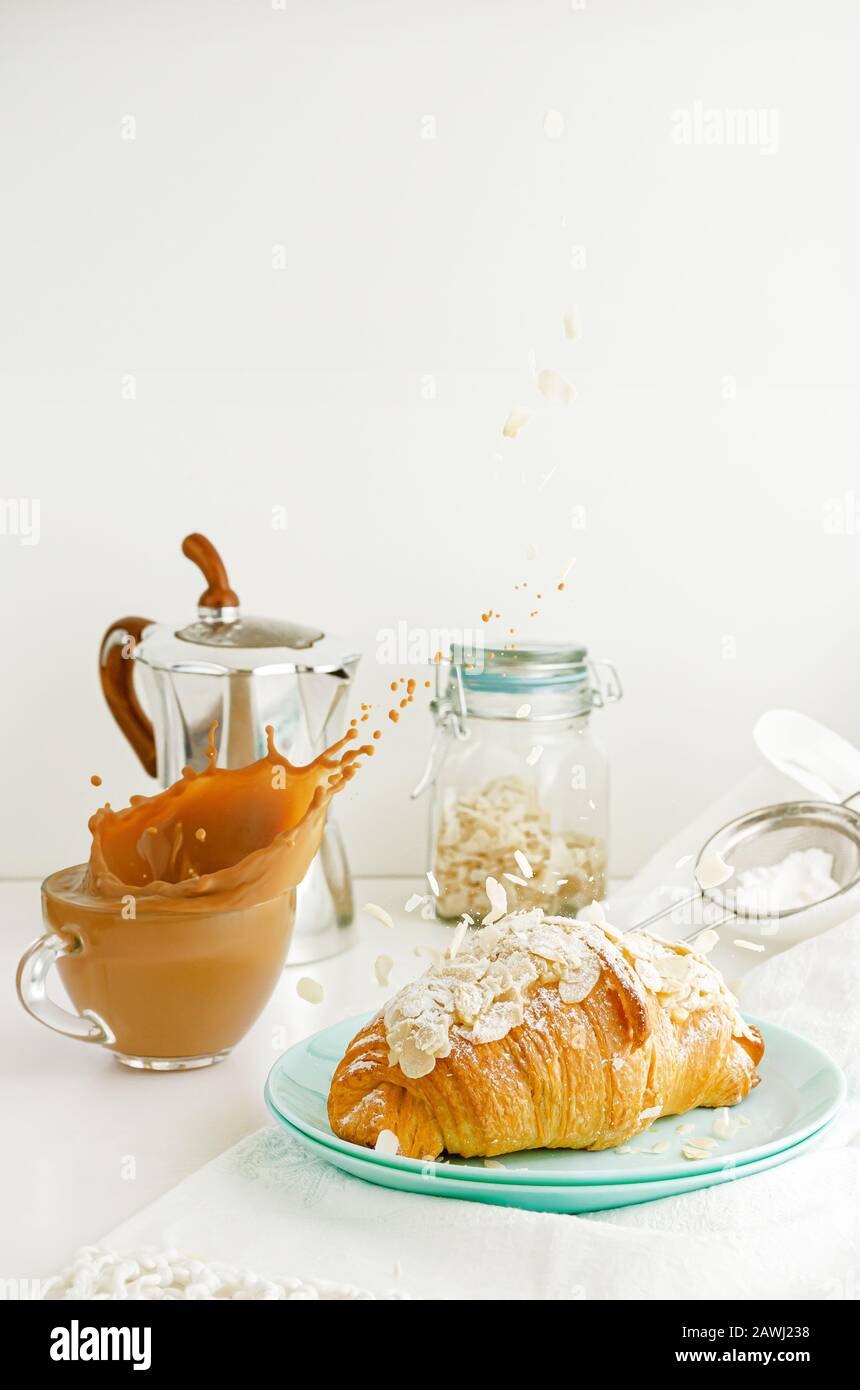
763 838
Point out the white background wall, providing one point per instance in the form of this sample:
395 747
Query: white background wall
710 515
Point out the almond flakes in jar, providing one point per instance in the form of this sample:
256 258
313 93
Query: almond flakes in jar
520 784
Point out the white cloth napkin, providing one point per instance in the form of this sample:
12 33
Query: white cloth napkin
792 1232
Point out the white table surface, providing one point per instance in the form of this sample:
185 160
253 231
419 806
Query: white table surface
86 1143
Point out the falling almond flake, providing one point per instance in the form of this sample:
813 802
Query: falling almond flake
685 859
373 910
553 125
434 886
415 901
523 864
570 566
383 966
748 945
549 384
428 911
515 422
712 871
515 878
498 902
531 552
570 326
535 755
524 711
533 367
725 1124
706 941
398 1269
387 1143
310 990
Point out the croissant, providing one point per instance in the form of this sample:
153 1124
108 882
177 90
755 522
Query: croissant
544 1032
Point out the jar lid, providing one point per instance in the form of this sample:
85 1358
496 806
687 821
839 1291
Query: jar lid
524 667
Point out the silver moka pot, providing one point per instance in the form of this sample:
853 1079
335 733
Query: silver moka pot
245 672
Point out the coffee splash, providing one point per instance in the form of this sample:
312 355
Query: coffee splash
223 838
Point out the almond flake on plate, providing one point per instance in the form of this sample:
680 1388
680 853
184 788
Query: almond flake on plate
491 1163
692 1152
659 1148
383 965
310 990
685 1129
748 945
387 1143
373 910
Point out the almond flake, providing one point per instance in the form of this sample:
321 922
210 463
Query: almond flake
523 864
514 878
535 755
748 945
725 1124
415 901
515 422
651 1113
383 965
523 711
310 990
387 1143
711 871
692 1152
431 879
491 1163
373 910
685 1129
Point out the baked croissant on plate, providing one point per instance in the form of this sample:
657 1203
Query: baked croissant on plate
544 1032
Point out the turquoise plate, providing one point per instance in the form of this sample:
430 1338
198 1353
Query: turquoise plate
569 1199
801 1091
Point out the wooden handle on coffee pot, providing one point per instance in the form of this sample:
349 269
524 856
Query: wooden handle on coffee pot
116 672
218 593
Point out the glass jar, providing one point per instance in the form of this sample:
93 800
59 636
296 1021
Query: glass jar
520 784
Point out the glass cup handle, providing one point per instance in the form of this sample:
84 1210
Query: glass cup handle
33 969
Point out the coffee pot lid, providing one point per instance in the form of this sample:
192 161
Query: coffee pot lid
223 639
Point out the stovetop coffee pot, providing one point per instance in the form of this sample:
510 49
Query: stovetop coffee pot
245 672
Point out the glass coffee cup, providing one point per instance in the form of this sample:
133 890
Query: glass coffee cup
171 939
164 990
